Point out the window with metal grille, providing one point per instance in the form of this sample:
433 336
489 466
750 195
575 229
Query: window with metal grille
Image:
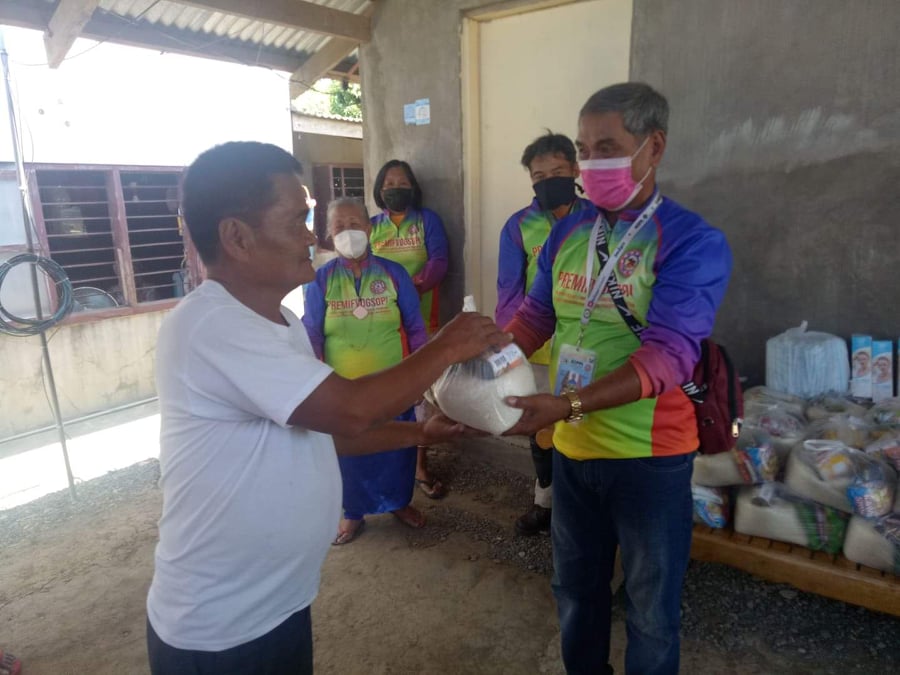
331 181
79 232
154 236
115 231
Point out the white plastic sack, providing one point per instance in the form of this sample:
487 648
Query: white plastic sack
473 392
807 363
772 512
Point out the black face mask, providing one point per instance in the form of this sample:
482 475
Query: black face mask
397 199
554 192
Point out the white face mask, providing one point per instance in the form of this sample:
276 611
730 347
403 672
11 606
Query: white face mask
351 244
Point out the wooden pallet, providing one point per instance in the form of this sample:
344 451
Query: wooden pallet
812 571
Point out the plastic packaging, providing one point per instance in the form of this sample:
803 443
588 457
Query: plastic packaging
875 543
785 428
852 431
888 449
753 460
774 512
766 397
831 404
712 505
885 414
831 473
807 363
473 392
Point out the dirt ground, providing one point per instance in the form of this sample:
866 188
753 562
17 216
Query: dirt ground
461 596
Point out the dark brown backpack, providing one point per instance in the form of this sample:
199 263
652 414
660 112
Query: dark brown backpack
715 390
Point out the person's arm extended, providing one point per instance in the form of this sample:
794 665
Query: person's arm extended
621 386
394 434
351 407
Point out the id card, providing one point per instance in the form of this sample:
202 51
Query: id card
575 370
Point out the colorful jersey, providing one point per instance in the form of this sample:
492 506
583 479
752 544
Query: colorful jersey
673 275
521 240
419 244
362 343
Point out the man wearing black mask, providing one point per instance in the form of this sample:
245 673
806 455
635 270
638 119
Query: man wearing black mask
550 161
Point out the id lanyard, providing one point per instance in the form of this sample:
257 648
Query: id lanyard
599 285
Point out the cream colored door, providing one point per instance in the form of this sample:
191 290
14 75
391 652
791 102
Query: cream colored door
524 73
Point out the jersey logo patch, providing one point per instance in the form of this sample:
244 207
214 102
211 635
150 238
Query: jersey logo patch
629 262
378 287
413 230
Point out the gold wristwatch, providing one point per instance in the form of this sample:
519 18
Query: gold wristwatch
575 412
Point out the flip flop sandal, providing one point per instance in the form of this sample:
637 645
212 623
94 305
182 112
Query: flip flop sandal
9 664
433 488
346 536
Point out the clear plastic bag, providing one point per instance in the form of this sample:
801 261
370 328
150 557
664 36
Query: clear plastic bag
885 413
785 428
830 472
832 403
473 392
852 431
807 363
753 460
765 397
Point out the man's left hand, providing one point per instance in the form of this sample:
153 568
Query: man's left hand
539 411
440 429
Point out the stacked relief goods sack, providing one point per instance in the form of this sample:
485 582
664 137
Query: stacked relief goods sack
835 482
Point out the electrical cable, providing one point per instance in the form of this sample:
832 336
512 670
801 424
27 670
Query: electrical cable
18 326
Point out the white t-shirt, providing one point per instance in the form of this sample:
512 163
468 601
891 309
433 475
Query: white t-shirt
250 504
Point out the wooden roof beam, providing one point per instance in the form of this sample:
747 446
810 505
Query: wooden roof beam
306 16
319 64
66 24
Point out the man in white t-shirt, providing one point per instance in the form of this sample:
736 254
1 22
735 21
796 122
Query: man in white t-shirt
249 475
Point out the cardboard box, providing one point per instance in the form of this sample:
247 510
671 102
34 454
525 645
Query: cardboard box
861 366
882 369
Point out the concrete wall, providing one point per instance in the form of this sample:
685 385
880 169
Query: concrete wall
415 53
97 366
318 149
785 133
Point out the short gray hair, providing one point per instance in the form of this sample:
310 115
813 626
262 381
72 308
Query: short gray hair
355 202
644 110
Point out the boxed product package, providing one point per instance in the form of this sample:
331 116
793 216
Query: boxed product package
807 363
861 373
882 370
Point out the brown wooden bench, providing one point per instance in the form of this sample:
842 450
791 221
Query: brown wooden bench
832 576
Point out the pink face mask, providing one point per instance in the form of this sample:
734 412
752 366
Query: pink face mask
608 182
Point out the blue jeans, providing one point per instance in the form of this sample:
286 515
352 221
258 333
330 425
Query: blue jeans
644 507
285 650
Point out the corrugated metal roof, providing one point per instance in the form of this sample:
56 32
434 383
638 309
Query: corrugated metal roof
226 26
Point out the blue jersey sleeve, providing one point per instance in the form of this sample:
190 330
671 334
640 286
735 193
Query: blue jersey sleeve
438 250
511 271
314 311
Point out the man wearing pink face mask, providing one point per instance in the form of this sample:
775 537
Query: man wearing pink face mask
628 290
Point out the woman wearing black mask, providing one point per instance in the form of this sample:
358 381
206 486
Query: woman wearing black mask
414 237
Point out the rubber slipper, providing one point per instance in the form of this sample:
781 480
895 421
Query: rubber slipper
407 518
346 536
432 488
9 664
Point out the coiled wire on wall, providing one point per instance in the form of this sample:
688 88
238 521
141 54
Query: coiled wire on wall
10 324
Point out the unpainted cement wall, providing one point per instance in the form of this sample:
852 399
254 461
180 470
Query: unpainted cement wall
785 134
97 365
